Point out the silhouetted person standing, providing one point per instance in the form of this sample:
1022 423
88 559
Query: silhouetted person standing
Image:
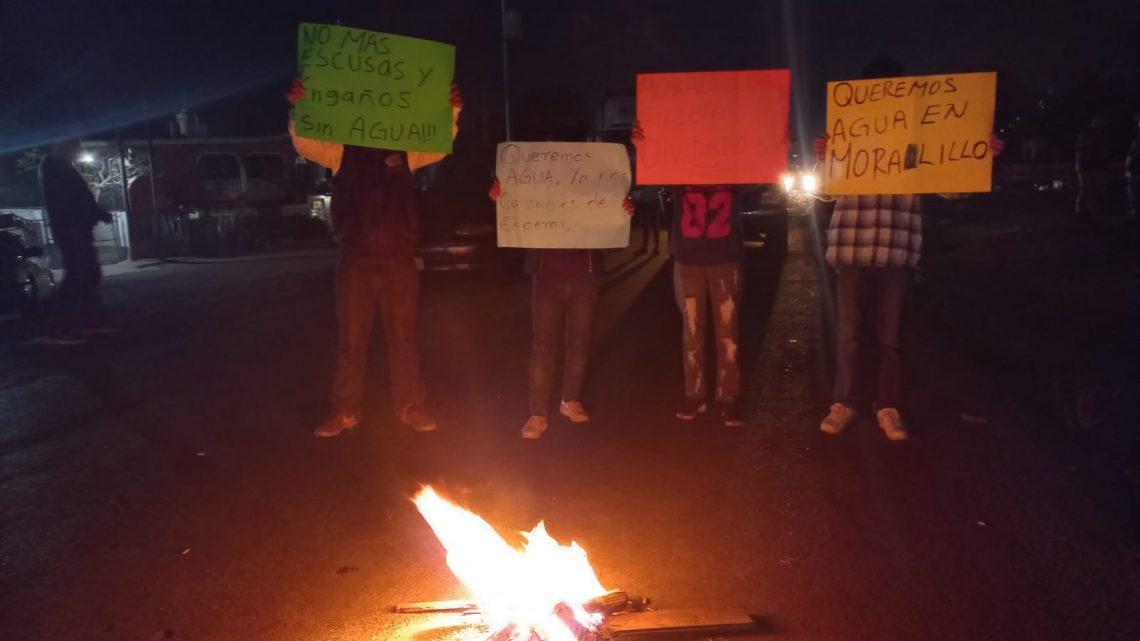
73 214
651 204
1092 168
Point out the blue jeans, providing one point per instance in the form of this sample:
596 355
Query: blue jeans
871 295
367 291
562 313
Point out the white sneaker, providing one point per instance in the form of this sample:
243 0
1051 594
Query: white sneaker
336 422
574 411
892 424
534 427
840 417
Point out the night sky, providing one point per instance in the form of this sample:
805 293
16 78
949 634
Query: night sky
81 67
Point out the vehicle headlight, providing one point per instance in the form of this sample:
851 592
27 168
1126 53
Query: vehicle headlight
789 182
810 183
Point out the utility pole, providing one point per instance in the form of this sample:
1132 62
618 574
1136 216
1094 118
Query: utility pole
156 225
512 30
126 192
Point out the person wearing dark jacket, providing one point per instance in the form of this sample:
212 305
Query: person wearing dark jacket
374 219
73 214
564 294
706 244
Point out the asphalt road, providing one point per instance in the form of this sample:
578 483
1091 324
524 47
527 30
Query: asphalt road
163 483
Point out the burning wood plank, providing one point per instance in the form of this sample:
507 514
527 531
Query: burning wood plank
421 607
633 624
609 603
543 590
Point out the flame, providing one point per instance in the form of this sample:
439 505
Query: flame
519 591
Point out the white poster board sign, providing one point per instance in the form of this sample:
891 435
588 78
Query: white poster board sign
562 195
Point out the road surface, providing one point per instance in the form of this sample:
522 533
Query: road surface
163 483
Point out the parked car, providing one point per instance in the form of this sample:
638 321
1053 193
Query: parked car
764 218
457 230
26 285
456 218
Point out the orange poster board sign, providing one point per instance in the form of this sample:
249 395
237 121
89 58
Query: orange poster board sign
713 128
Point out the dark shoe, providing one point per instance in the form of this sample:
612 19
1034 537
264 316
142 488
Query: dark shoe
338 421
418 419
690 407
730 414
64 338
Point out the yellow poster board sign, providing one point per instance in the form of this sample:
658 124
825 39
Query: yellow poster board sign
912 135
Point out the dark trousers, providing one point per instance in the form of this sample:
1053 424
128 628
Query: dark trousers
1134 195
80 304
876 295
562 313
699 288
650 219
388 289
1092 185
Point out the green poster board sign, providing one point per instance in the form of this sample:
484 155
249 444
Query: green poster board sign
374 89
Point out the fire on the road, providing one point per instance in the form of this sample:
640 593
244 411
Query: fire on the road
538 591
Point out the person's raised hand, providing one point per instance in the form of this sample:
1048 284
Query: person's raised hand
996 144
821 147
456 98
637 136
296 92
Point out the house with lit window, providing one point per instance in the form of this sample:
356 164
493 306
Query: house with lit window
196 194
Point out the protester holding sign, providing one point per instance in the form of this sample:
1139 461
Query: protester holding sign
874 242
707 245
565 292
374 219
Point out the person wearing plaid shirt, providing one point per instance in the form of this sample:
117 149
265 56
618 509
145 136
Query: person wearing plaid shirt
876 231
873 243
